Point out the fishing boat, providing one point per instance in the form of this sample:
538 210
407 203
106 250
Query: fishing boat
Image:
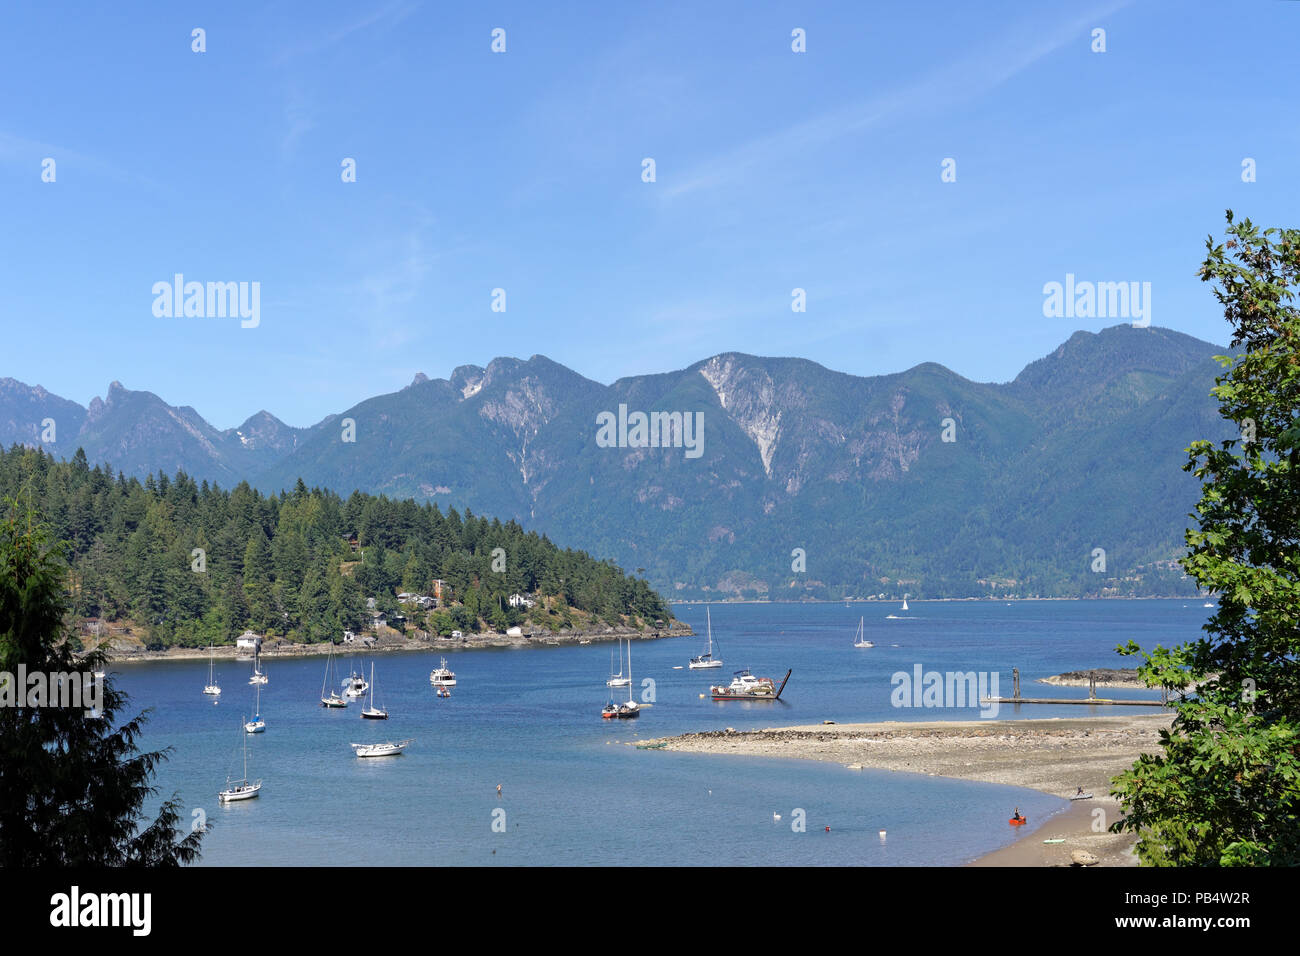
745 686
706 660
332 699
631 708
442 676
372 712
860 637
386 749
257 725
240 789
618 680
355 685
212 689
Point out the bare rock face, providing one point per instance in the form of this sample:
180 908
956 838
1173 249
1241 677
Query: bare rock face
751 398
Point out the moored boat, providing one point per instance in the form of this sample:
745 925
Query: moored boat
745 686
706 660
442 676
387 749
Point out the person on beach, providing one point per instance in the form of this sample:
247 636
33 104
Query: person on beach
1078 792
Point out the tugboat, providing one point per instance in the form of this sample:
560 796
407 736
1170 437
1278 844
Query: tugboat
745 686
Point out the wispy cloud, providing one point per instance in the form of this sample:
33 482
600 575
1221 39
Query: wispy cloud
972 77
387 15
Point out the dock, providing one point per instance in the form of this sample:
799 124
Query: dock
1092 697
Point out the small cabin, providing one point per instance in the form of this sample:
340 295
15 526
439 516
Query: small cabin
248 641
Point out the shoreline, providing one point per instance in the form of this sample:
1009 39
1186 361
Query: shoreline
384 644
1050 755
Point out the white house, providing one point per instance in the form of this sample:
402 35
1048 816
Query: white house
519 600
248 641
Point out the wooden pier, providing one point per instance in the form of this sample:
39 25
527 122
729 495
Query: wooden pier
1092 697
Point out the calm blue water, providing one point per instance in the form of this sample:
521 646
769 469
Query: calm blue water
575 793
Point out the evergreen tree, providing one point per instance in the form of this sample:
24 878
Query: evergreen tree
72 788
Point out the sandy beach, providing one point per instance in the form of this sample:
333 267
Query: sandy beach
1054 756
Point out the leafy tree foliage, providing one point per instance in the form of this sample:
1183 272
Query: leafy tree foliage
1226 788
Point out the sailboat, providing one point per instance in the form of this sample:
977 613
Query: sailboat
618 680
240 789
372 712
212 689
706 660
257 725
631 708
904 602
861 640
386 749
332 699
259 675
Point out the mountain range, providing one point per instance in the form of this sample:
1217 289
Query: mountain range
1066 481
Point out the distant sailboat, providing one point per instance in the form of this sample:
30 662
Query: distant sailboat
212 688
904 602
631 708
372 712
387 749
706 660
333 699
259 675
257 725
618 680
860 640
240 789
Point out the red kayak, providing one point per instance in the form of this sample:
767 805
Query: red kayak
1017 822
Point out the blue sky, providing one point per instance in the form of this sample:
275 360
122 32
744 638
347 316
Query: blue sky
522 171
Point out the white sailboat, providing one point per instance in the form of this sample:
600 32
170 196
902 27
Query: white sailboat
257 725
333 699
706 660
259 675
631 708
240 789
386 749
372 712
904 602
618 680
212 689
860 638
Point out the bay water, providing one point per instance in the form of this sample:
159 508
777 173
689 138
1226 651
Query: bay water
576 791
